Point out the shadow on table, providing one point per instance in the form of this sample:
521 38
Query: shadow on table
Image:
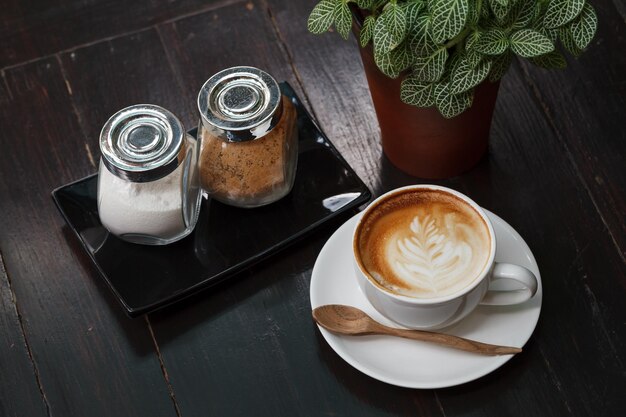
236 290
386 397
172 321
391 177
134 329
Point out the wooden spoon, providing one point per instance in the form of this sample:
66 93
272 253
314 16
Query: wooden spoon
350 320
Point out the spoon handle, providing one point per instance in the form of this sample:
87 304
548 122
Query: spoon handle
453 341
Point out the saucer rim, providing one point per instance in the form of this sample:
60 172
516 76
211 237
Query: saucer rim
497 361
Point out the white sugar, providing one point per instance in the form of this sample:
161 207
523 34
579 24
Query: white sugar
149 208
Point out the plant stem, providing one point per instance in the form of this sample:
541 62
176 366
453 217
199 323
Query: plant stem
458 38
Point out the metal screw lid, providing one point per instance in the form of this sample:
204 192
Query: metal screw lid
240 104
142 143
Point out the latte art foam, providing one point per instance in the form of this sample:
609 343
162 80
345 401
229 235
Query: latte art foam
424 243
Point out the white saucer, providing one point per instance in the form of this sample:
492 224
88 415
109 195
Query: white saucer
412 364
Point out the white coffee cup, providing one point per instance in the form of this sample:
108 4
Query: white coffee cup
436 312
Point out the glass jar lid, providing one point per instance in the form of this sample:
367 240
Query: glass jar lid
142 143
240 104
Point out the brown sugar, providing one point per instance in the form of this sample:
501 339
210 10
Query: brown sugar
252 172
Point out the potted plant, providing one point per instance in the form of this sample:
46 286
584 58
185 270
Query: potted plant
433 66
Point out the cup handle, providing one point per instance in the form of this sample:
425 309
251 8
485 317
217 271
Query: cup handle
519 274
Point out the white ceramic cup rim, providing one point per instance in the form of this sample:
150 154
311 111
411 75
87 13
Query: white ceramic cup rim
436 300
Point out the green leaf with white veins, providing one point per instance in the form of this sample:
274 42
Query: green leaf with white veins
420 40
430 67
390 28
416 92
499 66
567 39
384 62
452 64
484 10
466 77
394 62
401 57
367 30
450 105
471 39
583 28
442 50
492 42
411 11
560 12
552 34
322 16
552 60
499 9
473 58
343 19
528 43
447 18
378 3
522 13
472 55
472 13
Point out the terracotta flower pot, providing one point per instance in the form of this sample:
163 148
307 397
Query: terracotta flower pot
420 141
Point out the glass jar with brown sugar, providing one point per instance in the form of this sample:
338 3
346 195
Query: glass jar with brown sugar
249 138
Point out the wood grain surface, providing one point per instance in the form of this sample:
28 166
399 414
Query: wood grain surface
84 348
248 347
36 28
583 105
19 377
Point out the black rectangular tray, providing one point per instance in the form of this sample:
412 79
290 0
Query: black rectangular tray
226 239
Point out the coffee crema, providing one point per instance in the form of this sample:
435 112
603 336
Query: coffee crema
423 243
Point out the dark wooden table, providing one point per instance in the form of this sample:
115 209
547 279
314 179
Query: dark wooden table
556 171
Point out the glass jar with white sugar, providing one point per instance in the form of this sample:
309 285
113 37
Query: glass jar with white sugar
148 184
